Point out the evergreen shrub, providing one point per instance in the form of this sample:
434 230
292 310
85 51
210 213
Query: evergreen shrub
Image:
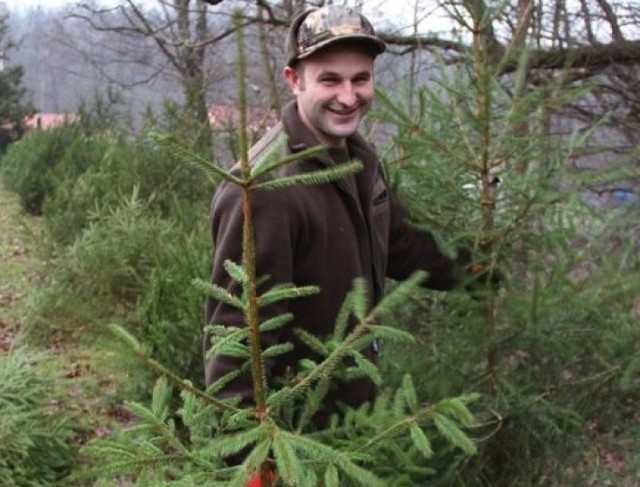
36 441
29 165
135 268
120 168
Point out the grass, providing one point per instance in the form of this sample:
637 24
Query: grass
19 265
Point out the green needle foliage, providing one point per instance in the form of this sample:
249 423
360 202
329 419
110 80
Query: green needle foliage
36 447
363 449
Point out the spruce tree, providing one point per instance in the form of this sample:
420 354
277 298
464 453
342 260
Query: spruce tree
487 160
13 109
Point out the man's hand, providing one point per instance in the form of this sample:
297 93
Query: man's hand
480 277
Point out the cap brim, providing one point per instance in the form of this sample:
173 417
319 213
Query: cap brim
373 44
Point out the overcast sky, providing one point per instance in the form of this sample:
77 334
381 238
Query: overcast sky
27 4
23 4
401 15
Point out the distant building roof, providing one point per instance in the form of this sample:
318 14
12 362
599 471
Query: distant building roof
228 116
48 120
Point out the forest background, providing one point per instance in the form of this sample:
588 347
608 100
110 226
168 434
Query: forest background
509 127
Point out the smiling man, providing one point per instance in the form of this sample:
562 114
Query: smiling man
325 235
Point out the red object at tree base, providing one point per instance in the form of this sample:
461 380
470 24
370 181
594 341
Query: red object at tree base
256 481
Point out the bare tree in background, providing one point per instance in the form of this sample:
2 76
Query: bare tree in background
181 31
191 37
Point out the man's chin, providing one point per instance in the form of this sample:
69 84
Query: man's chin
344 131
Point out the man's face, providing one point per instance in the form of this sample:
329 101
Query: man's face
334 88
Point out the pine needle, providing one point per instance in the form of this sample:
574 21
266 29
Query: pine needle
214 172
218 293
421 441
453 434
317 177
286 291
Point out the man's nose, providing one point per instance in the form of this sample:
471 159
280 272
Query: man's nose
347 94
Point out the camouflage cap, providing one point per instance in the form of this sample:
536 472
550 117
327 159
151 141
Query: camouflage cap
317 28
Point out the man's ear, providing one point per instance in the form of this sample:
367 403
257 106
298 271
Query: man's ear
292 77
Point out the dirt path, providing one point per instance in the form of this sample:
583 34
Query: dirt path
18 265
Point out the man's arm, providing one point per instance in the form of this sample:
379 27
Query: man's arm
411 249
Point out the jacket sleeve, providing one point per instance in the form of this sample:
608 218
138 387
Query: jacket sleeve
411 249
273 245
